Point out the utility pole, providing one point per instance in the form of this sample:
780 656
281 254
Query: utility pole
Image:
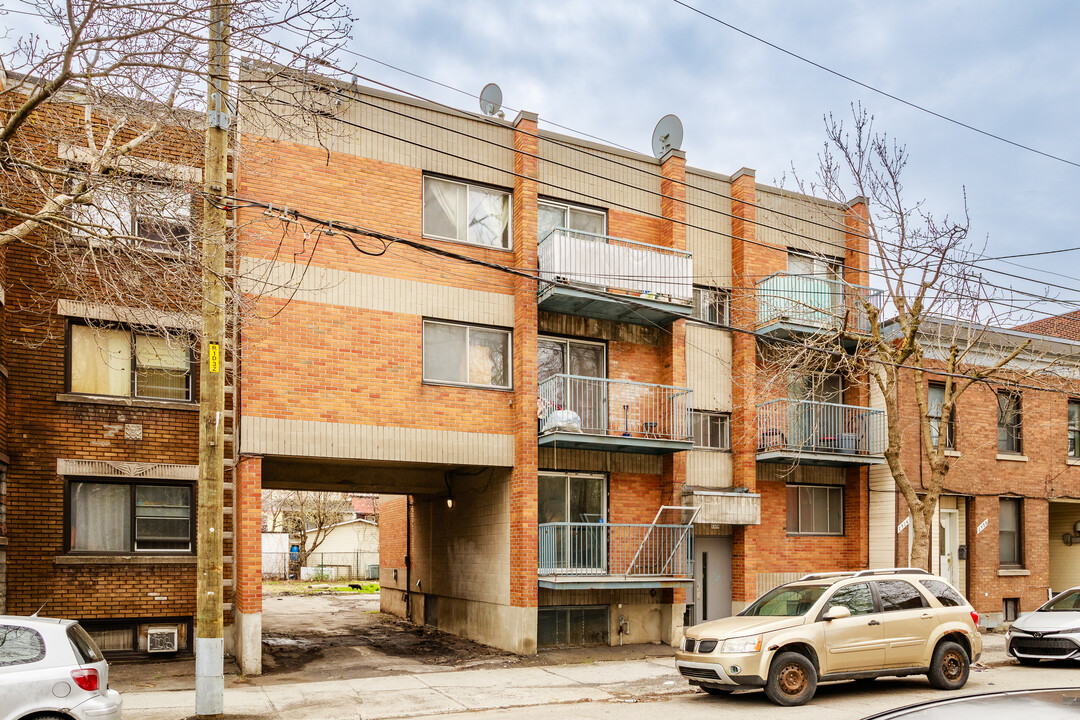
209 635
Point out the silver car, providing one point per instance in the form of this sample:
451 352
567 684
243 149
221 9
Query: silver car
52 668
1050 633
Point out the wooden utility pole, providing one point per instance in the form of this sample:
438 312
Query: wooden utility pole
209 636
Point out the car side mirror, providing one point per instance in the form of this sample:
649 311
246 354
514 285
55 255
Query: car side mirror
836 612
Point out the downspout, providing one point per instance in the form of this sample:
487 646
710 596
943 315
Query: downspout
408 557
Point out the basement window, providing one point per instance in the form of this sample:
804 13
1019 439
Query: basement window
572 626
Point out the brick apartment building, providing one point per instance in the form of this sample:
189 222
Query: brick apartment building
534 433
1005 524
99 450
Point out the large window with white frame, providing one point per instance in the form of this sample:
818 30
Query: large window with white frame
467 213
815 509
712 430
143 214
476 356
123 362
128 516
711 305
552 214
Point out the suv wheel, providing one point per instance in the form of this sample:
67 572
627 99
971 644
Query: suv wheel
949 667
792 679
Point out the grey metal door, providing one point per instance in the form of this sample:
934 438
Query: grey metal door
712 578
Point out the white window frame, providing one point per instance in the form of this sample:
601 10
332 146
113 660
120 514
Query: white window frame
114 209
469 187
722 430
826 267
829 491
576 208
468 345
1073 423
717 300
1010 422
938 426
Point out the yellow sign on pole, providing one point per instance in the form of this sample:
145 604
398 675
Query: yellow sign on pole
215 358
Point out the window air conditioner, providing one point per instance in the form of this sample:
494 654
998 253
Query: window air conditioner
161 639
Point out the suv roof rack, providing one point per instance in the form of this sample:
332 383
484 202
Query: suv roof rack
892 571
822 576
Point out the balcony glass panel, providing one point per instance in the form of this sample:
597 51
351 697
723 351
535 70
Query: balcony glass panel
815 303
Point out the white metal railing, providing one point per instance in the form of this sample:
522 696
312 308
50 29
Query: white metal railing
615 549
599 406
815 302
807 426
606 262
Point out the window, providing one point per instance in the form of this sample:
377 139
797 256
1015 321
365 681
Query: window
711 430
1010 550
118 517
945 594
1074 428
935 399
551 215
815 510
823 267
572 498
466 213
20 645
126 363
467 355
857 598
151 216
1009 428
711 305
899 595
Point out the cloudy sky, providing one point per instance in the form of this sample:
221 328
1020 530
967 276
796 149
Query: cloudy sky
612 69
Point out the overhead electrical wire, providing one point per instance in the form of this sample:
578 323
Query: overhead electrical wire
389 240
878 91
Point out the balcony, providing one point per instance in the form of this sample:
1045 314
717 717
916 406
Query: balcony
817 433
587 413
806 304
724 507
583 556
597 274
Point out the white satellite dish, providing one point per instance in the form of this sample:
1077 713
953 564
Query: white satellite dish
667 136
491 99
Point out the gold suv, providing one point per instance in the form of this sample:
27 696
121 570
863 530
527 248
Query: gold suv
837 626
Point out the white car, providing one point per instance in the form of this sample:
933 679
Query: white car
1050 633
52 670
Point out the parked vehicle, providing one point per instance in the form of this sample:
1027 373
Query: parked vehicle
837 626
1050 633
52 670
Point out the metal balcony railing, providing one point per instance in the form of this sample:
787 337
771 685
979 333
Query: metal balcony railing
815 302
611 263
591 549
806 426
599 406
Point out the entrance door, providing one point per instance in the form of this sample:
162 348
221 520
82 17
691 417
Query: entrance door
948 541
712 578
581 393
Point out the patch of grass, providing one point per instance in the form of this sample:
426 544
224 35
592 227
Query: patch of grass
365 588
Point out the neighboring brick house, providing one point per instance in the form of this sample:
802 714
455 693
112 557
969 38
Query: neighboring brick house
532 433
1013 489
100 445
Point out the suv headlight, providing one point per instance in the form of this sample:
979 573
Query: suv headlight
742 644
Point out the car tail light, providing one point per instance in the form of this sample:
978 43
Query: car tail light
975 618
86 679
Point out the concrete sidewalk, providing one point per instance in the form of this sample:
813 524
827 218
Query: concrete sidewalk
430 693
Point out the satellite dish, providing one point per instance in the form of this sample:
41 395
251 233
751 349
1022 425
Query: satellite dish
667 135
491 99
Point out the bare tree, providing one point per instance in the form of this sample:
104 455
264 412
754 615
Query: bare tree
102 116
306 516
934 319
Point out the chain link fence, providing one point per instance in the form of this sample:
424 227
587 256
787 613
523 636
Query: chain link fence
321 567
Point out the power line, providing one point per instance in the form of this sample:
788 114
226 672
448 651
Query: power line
389 240
873 89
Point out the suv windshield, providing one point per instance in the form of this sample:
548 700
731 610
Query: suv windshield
785 600
1069 602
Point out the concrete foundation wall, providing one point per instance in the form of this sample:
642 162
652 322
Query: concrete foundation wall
508 628
653 623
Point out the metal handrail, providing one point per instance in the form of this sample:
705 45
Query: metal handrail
815 301
602 406
620 549
796 426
